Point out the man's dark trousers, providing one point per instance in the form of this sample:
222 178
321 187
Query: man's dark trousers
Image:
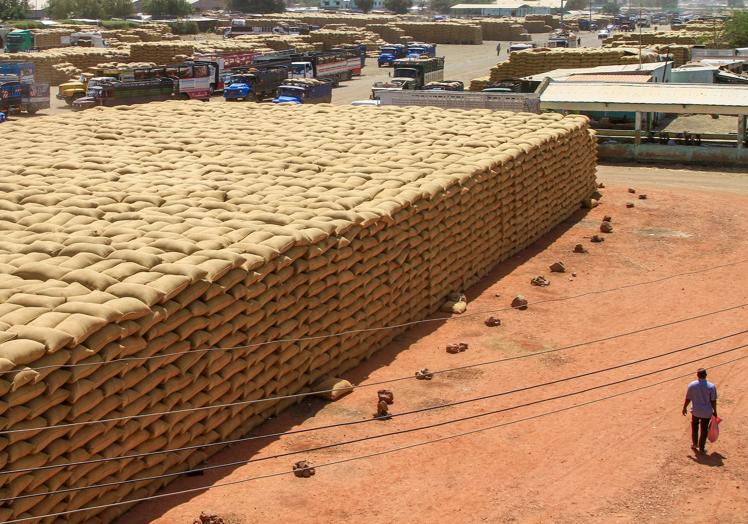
695 423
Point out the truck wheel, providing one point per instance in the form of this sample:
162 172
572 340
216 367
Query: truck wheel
32 110
212 89
69 100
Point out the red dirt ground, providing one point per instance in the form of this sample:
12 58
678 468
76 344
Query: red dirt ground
625 459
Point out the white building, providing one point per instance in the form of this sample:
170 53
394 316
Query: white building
515 8
349 5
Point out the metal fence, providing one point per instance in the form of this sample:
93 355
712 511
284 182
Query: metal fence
518 102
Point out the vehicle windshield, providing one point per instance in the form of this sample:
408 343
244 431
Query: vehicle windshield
406 72
95 91
298 69
388 50
295 92
241 79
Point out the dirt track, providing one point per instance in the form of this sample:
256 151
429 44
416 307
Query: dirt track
625 459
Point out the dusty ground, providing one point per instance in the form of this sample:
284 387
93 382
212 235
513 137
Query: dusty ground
625 459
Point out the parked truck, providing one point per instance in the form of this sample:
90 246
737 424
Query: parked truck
389 53
421 70
411 74
112 92
419 49
256 83
195 80
17 77
334 66
304 91
87 39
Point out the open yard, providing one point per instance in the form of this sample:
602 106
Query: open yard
616 453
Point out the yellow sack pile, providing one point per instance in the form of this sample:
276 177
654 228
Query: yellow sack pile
163 52
503 29
134 232
330 38
443 32
390 33
534 61
80 57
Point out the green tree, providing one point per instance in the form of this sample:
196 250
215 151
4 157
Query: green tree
257 6
398 6
442 6
365 5
13 9
61 9
165 8
118 8
736 29
577 5
611 8
93 9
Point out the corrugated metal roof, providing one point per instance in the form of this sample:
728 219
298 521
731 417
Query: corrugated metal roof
610 77
509 4
670 98
623 69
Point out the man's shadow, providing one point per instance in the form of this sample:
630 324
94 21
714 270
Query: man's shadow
715 460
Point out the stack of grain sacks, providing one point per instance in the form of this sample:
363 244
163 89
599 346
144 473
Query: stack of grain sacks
534 61
146 269
79 57
390 33
536 26
163 52
506 30
51 38
443 32
330 38
681 53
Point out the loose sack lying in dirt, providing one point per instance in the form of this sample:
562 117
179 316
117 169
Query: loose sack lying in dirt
140 231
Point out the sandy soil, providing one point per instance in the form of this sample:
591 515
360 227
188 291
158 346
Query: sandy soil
625 459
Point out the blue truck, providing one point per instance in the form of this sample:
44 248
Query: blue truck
419 49
304 91
389 53
256 83
18 77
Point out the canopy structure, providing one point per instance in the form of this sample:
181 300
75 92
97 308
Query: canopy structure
711 99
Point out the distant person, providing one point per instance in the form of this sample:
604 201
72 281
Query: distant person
579 41
703 395
498 49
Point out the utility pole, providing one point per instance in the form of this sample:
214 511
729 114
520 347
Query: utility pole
638 22
590 15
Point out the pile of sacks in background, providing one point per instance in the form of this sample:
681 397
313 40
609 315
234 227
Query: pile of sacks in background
47 62
390 34
506 29
163 52
534 61
662 37
329 38
443 32
127 235
51 38
681 53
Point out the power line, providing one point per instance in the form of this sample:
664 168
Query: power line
380 328
370 437
384 452
421 410
298 395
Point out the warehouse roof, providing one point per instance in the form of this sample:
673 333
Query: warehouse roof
627 69
610 77
508 4
664 98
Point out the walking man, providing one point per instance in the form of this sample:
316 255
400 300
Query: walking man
498 49
703 395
